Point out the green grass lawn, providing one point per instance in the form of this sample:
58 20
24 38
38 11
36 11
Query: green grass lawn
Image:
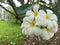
10 32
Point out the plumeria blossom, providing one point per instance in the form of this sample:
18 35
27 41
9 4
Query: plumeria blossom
51 16
29 27
46 34
53 26
40 23
36 12
50 30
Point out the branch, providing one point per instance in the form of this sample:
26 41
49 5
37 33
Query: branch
7 10
14 7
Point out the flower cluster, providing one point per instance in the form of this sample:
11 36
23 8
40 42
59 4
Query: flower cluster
40 23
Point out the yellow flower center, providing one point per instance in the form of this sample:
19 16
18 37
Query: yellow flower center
35 13
48 30
32 24
47 17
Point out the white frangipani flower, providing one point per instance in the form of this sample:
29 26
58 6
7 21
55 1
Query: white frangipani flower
29 27
35 12
50 30
46 34
36 8
40 23
53 26
51 16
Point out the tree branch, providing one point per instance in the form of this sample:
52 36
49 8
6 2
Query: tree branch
14 7
7 10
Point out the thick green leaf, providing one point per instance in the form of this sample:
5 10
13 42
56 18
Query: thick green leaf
22 9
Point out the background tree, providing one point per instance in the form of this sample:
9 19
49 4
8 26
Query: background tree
20 11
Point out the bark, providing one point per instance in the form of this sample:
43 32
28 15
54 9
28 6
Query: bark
18 17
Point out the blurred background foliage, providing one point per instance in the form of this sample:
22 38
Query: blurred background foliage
19 12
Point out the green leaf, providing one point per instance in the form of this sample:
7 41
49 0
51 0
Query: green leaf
22 9
44 7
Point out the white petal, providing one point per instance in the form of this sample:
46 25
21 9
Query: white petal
54 30
36 31
54 24
23 31
41 21
49 25
40 31
46 36
54 17
26 32
42 13
49 12
25 25
38 20
55 27
51 34
22 25
30 32
36 8
28 19
29 13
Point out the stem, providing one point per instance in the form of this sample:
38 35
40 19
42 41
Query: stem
39 38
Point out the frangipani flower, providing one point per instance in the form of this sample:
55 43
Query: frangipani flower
50 30
53 26
36 12
40 23
46 34
29 27
51 16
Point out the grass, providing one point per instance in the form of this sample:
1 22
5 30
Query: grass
10 33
